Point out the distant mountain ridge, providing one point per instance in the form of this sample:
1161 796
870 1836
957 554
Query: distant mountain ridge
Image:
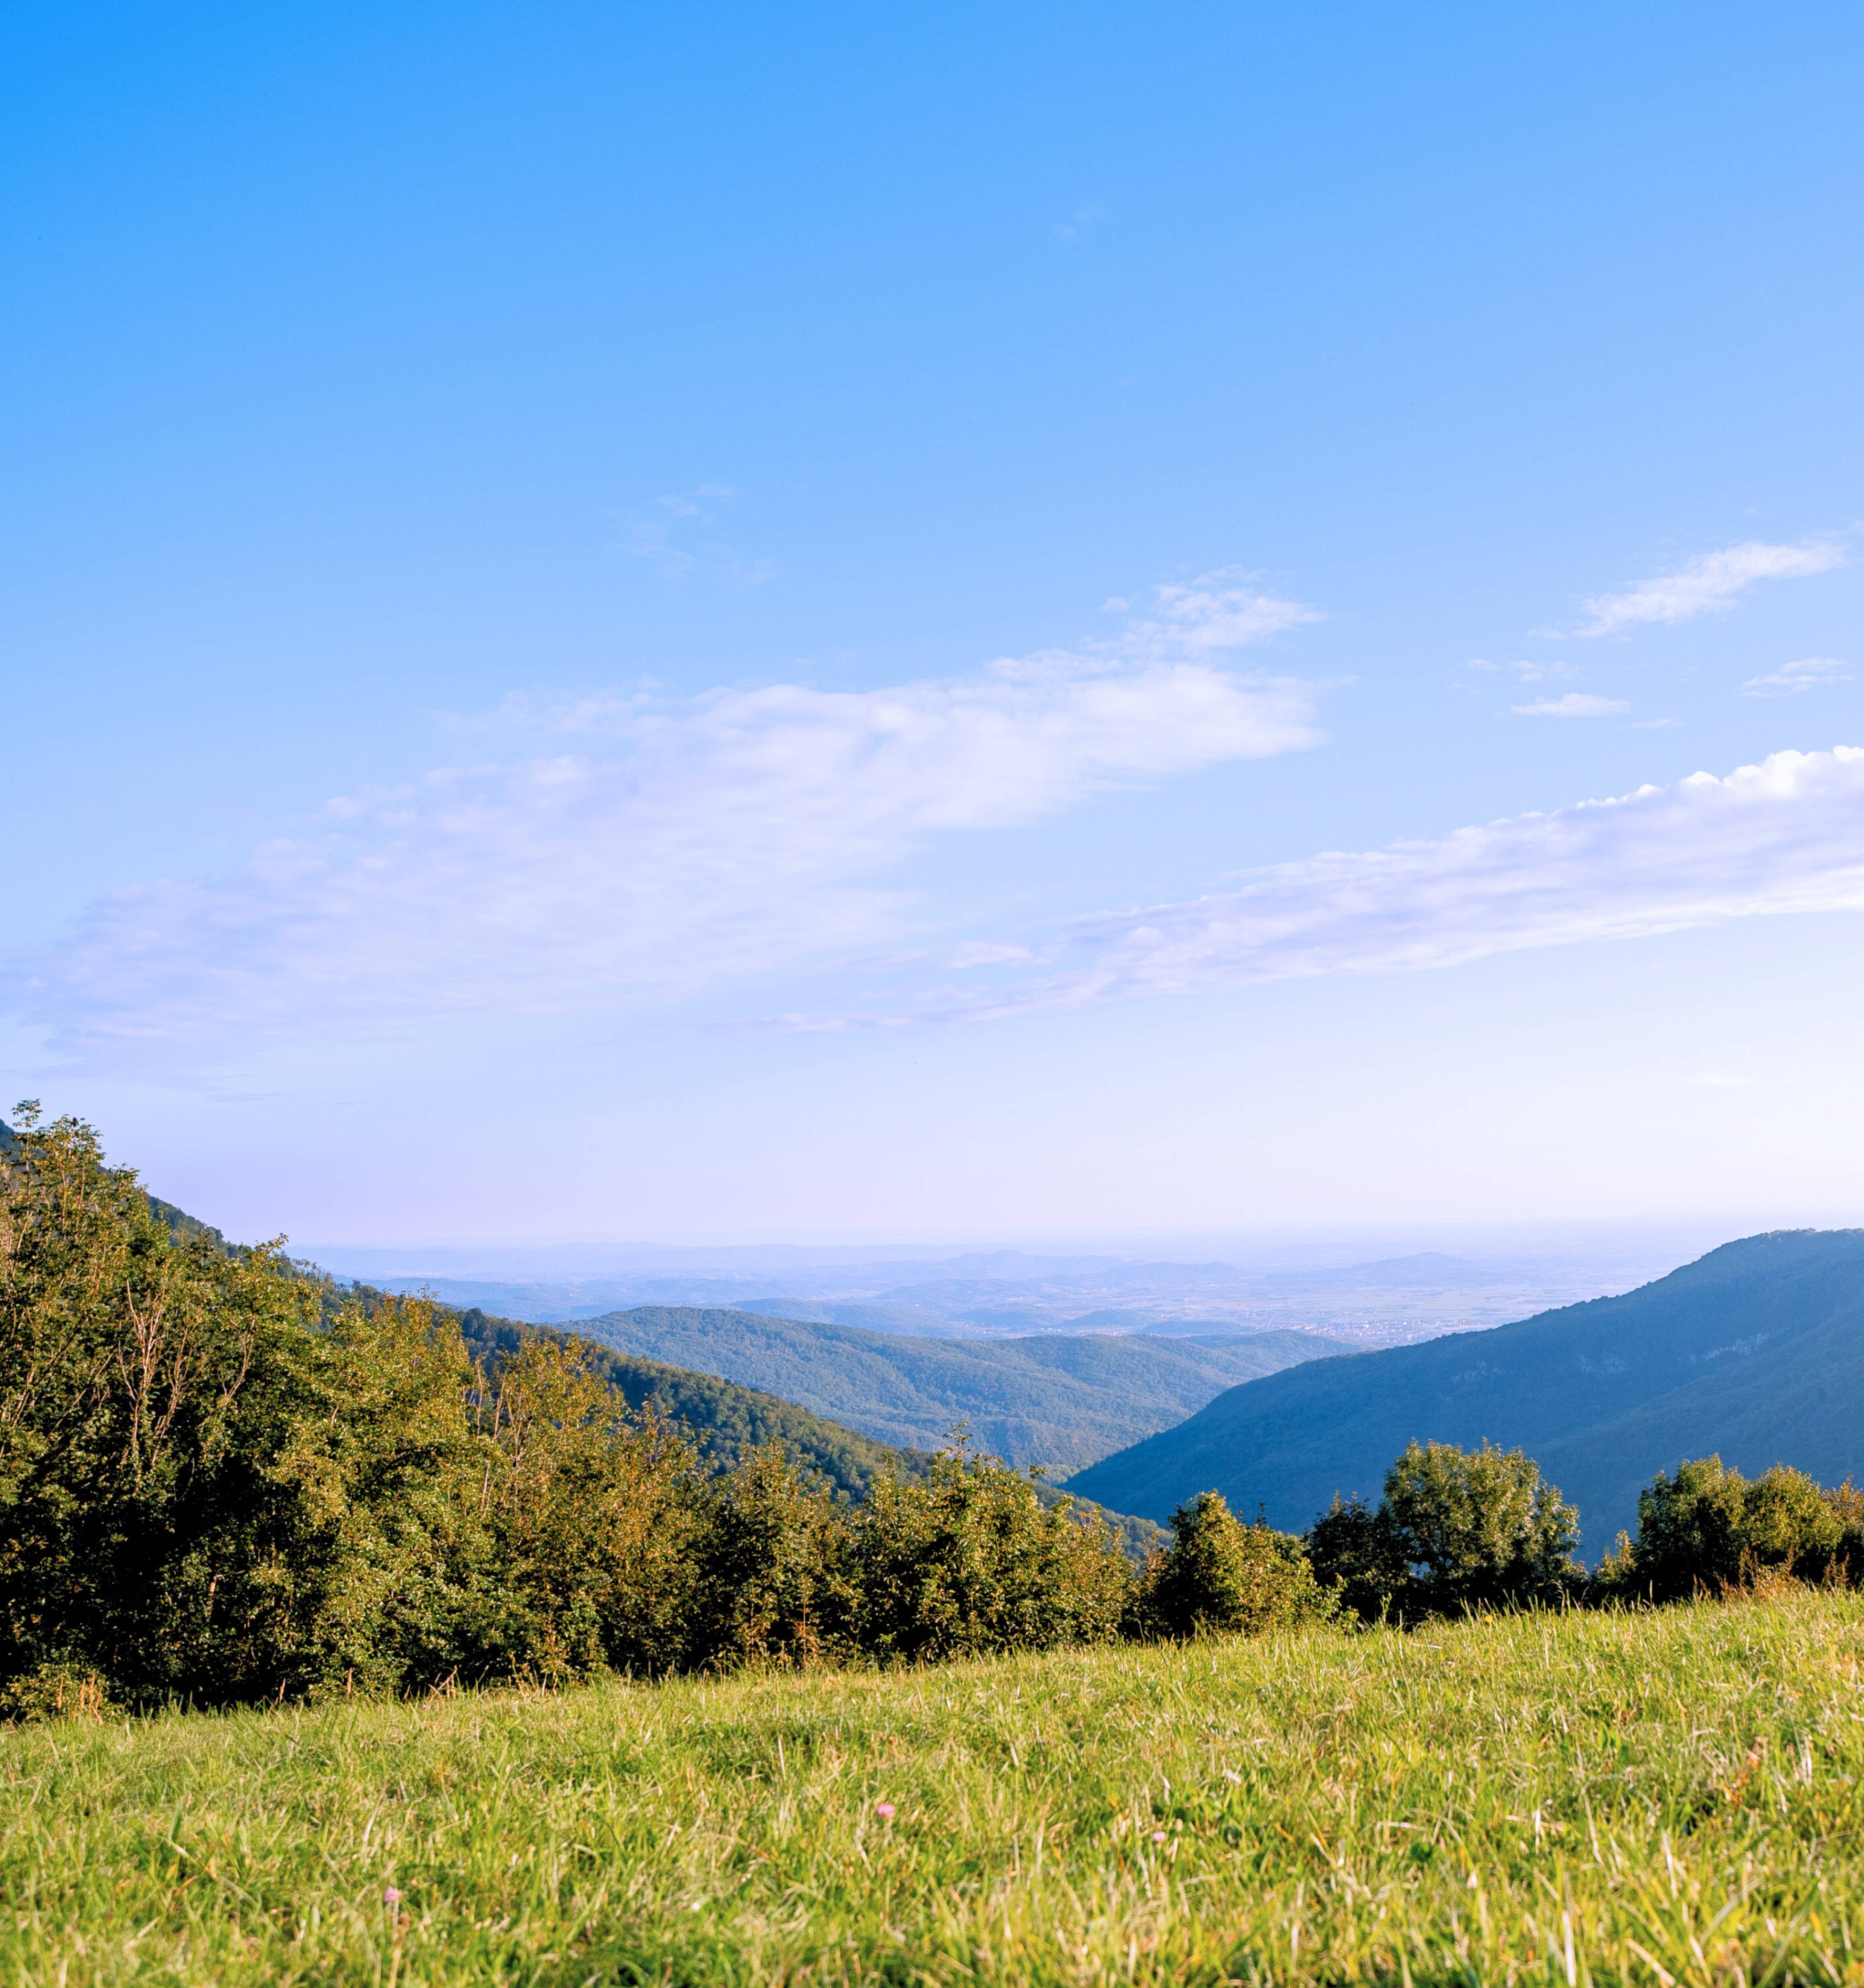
1755 1351
1391 1300
1053 1398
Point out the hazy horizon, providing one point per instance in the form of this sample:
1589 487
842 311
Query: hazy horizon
1340 1246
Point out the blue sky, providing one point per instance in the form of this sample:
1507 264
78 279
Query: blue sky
713 624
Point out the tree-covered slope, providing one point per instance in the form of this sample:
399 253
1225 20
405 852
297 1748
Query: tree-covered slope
1056 1399
1756 1351
728 1421
177 1221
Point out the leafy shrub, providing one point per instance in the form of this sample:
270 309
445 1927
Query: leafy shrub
1355 1551
54 1693
1706 1528
1219 1576
775 1574
595 1513
1479 1528
1456 1529
968 1562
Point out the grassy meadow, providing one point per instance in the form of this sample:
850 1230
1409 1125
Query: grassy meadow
1665 1797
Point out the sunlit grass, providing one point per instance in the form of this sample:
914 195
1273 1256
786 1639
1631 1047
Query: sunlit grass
1667 1797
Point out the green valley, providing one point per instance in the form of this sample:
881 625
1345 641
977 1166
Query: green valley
1060 1400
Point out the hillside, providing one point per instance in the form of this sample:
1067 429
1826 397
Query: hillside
1755 1351
177 1221
1058 1399
726 1420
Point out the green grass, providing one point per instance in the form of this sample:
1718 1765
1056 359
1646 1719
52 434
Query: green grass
1595 1797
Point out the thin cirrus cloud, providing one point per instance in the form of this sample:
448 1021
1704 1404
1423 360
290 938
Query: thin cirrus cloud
1574 703
1809 673
628 850
679 539
1784 836
1709 584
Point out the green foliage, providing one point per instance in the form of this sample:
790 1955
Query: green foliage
594 1511
1355 1551
223 1480
373 1538
56 1694
1456 1529
777 1561
1219 1577
142 1376
1704 1527
969 1561
727 1422
218 1481
1479 1528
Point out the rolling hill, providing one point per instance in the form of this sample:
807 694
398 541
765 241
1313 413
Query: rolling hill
727 1422
1058 1399
1755 1351
726 1419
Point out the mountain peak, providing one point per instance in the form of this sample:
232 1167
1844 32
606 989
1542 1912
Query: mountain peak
1755 1351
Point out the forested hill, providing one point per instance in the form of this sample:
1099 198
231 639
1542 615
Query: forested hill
1755 1351
726 1421
177 1221
1056 1399
729 1422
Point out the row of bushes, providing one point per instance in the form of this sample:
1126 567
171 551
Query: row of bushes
1460 1529
216 1486
1706 1529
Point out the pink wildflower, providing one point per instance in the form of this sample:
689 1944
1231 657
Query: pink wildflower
884 1811
391 1896
1157 1835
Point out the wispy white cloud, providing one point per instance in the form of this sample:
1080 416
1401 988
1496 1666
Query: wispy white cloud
625 849
1786 835
986 952
1219 611
1574 703
1075 230
1708 584
1791 678
666 536
1527 672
